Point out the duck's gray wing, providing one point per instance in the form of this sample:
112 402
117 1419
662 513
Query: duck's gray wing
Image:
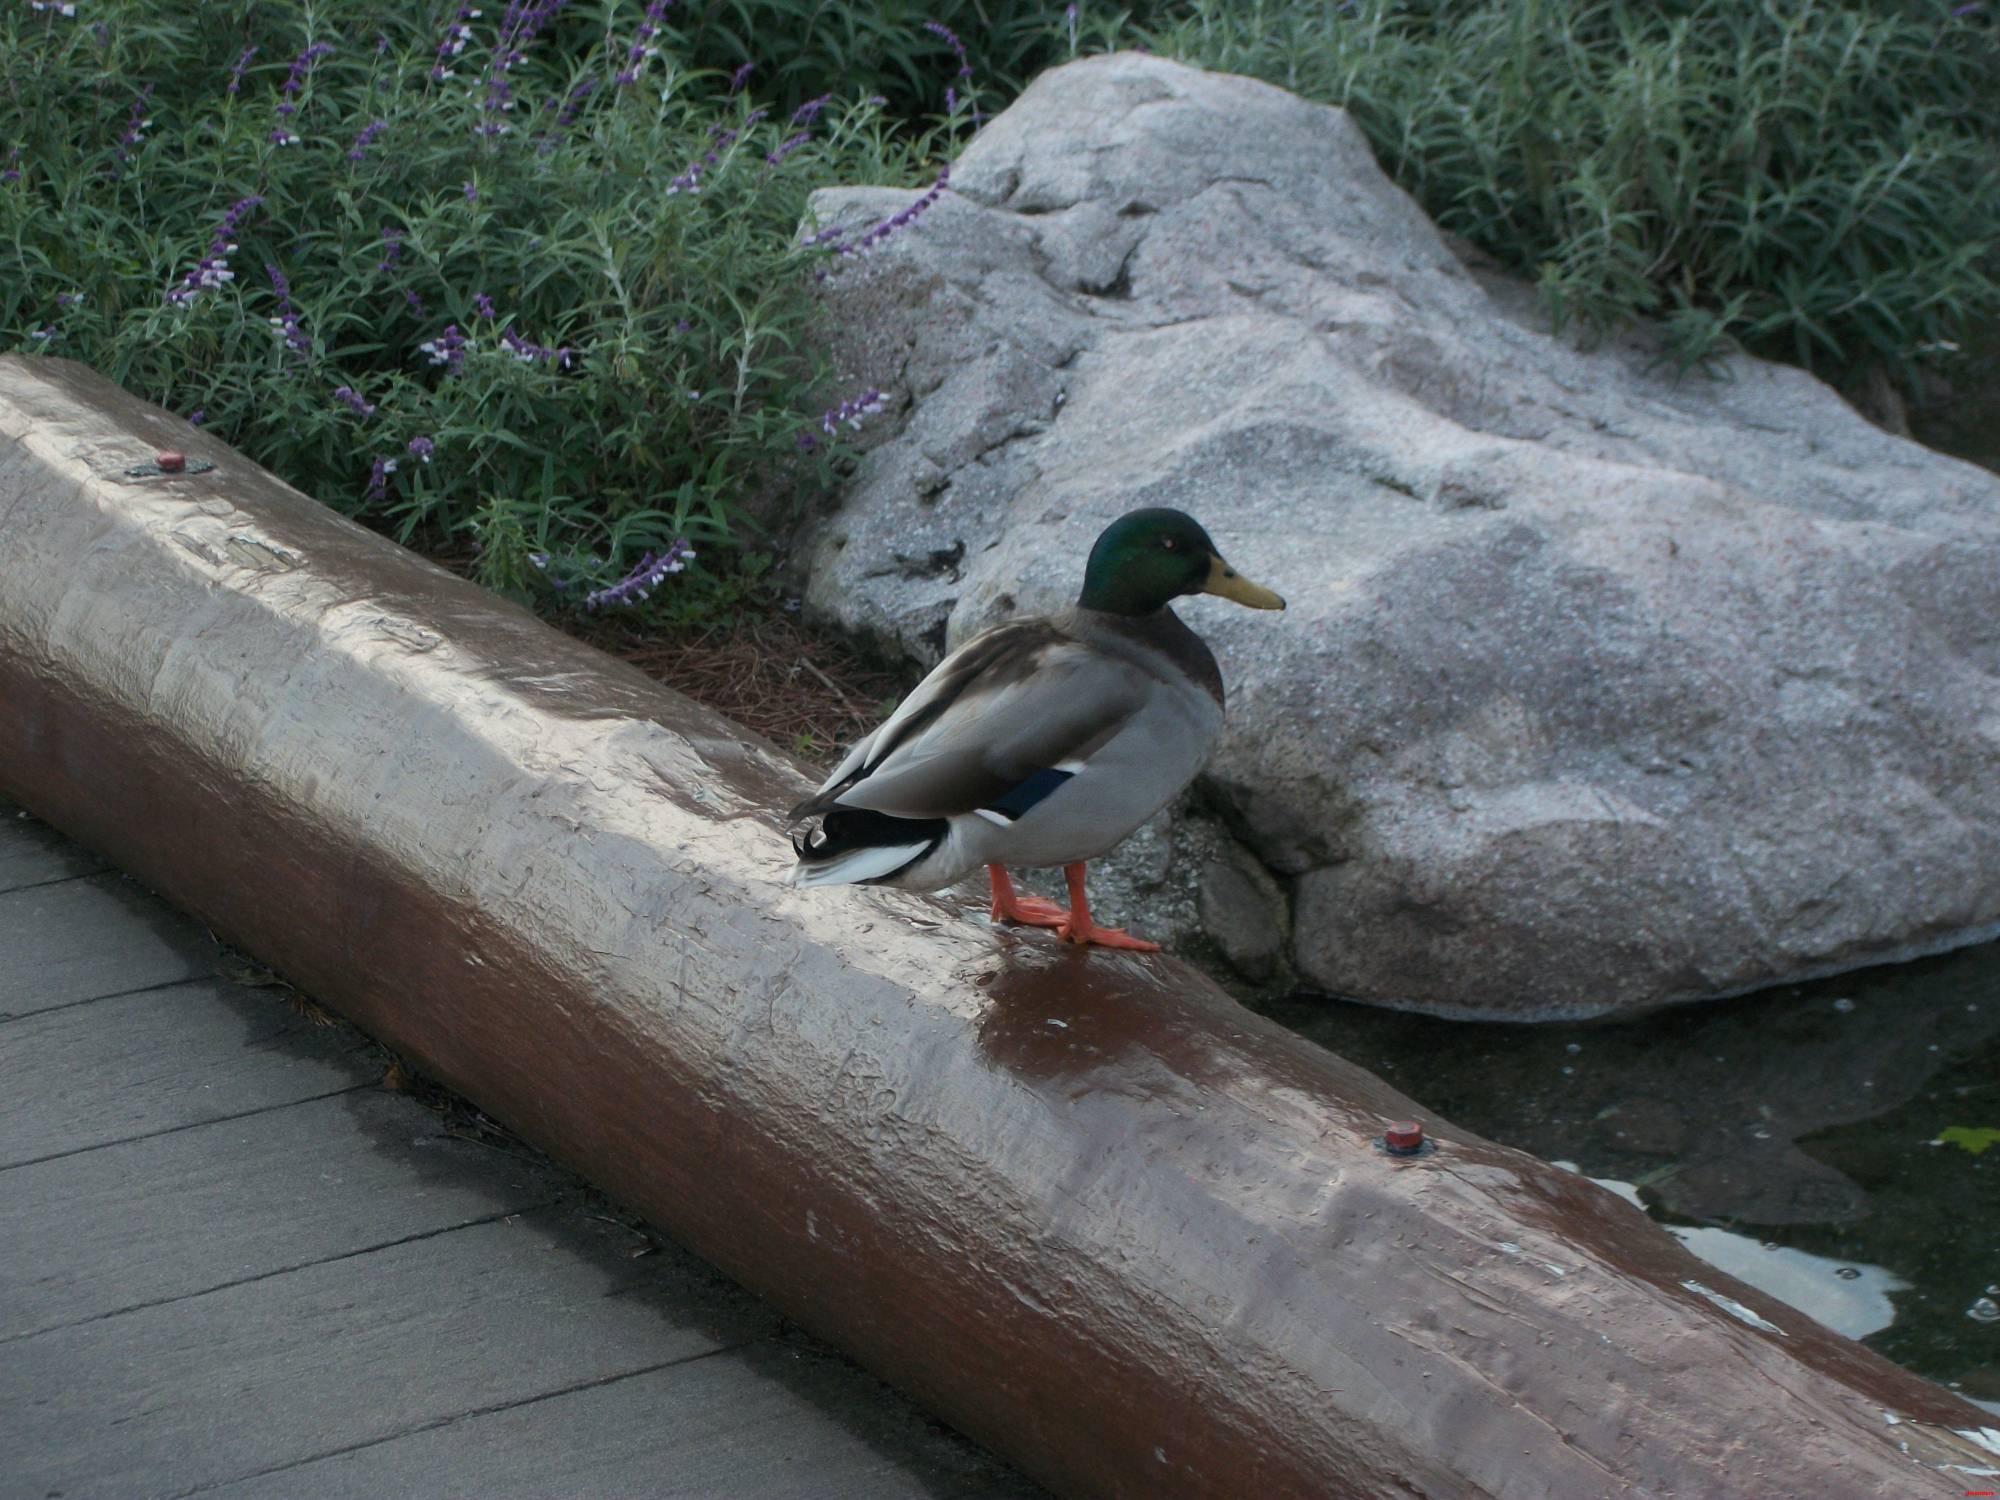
1002 722
1005 650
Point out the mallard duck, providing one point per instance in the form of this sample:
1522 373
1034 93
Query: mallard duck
1042 741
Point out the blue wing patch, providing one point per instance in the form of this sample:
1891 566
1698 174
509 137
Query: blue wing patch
1023 795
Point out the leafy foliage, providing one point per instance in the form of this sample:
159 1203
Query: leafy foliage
526 284
800 49
1817 181
539 298
1969 1137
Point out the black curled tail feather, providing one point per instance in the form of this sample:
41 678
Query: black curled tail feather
846 831
818 803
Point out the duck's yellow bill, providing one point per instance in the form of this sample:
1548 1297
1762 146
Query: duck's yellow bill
1230 584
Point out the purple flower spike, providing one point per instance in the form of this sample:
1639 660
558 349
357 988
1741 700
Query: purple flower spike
13 172
852 410
517 30
831 238
287 321
447 349
48 331
213 269
526 350
422 448
378 479
353 400
950 38
136 122
198 416
721 139
302 66
392 251
414 303
901 219
643 49
482 304
359 150
642 580
471 192
574 103
807 112
787 147
456 35
740 77
236 73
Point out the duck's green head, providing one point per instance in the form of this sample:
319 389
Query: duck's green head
1149 557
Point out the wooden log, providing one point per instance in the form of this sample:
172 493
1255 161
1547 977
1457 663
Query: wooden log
1090 1210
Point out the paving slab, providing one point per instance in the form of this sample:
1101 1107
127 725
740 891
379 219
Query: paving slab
730 1424
32 853
184 1212
186 1054
83 939
233 1263
262 1374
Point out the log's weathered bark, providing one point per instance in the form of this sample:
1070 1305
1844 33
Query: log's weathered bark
1082 1204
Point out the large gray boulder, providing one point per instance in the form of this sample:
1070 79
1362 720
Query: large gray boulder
1599 688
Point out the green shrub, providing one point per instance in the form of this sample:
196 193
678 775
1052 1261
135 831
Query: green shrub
618 257
803 48
1818 181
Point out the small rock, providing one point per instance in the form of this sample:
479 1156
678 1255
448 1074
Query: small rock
1148 855
1242 912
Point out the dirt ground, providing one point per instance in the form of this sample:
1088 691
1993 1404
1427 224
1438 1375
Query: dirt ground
811 692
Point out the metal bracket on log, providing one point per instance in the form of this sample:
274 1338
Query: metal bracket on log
1081 1204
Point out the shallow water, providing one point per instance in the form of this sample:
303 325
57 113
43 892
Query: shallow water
1819 1141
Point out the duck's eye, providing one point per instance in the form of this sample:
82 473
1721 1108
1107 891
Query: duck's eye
1170 544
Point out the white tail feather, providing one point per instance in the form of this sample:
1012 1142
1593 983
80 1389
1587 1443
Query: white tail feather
860 864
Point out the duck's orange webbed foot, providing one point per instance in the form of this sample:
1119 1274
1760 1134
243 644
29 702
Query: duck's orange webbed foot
1077 927
1029 911
1104 937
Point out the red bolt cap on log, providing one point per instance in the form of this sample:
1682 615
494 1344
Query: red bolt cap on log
1404 1138
171 462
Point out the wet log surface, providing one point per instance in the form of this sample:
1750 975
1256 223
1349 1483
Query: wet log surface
1082 1205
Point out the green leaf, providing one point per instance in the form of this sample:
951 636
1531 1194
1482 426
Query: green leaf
1971 1138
